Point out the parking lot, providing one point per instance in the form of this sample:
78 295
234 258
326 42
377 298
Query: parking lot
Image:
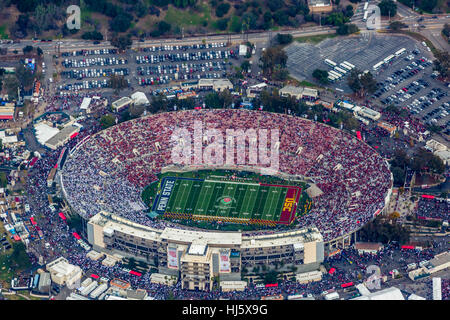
150 66
364 51
409 82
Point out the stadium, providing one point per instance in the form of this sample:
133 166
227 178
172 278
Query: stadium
104 177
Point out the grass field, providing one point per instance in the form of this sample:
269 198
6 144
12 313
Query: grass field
219 199
315 39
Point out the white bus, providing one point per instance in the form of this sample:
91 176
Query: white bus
349 64
345 67
366 5
340 70
330 63
331 78
389 58
335 74
366 13
400 52
378 65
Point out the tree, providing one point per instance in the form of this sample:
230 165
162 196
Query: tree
347 29
399 175
11 84
284 38
222 9
27 49
321 75
121 42
397 25
442 63
92 35
24 75
361 83
222 24
158 104
121 22
226 98
117 82
388 8
212 100
270 277
245 66
107 121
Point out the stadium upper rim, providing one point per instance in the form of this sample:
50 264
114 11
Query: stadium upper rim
108 170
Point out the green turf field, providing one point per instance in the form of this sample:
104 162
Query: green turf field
228 201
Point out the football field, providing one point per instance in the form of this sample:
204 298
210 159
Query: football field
227 201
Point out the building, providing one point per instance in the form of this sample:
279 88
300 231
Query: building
369 113
391 129
44 283
308 277
256 89
199 256
300 93
227 286
138 294
217 85
368 247
319 6
243 49
84 107
444 155
119 287
139 99
391 293
62 137
8 140
164 279
64 273
121 104
7 111
439 262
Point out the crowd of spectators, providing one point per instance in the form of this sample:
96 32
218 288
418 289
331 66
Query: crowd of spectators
437 208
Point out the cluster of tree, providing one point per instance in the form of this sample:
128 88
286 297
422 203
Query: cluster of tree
321 76
273 63
175 3
19 259
92 35
424 5
22 78
423 161
361 83
346 29
383 231
442 63
426 162
388 8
